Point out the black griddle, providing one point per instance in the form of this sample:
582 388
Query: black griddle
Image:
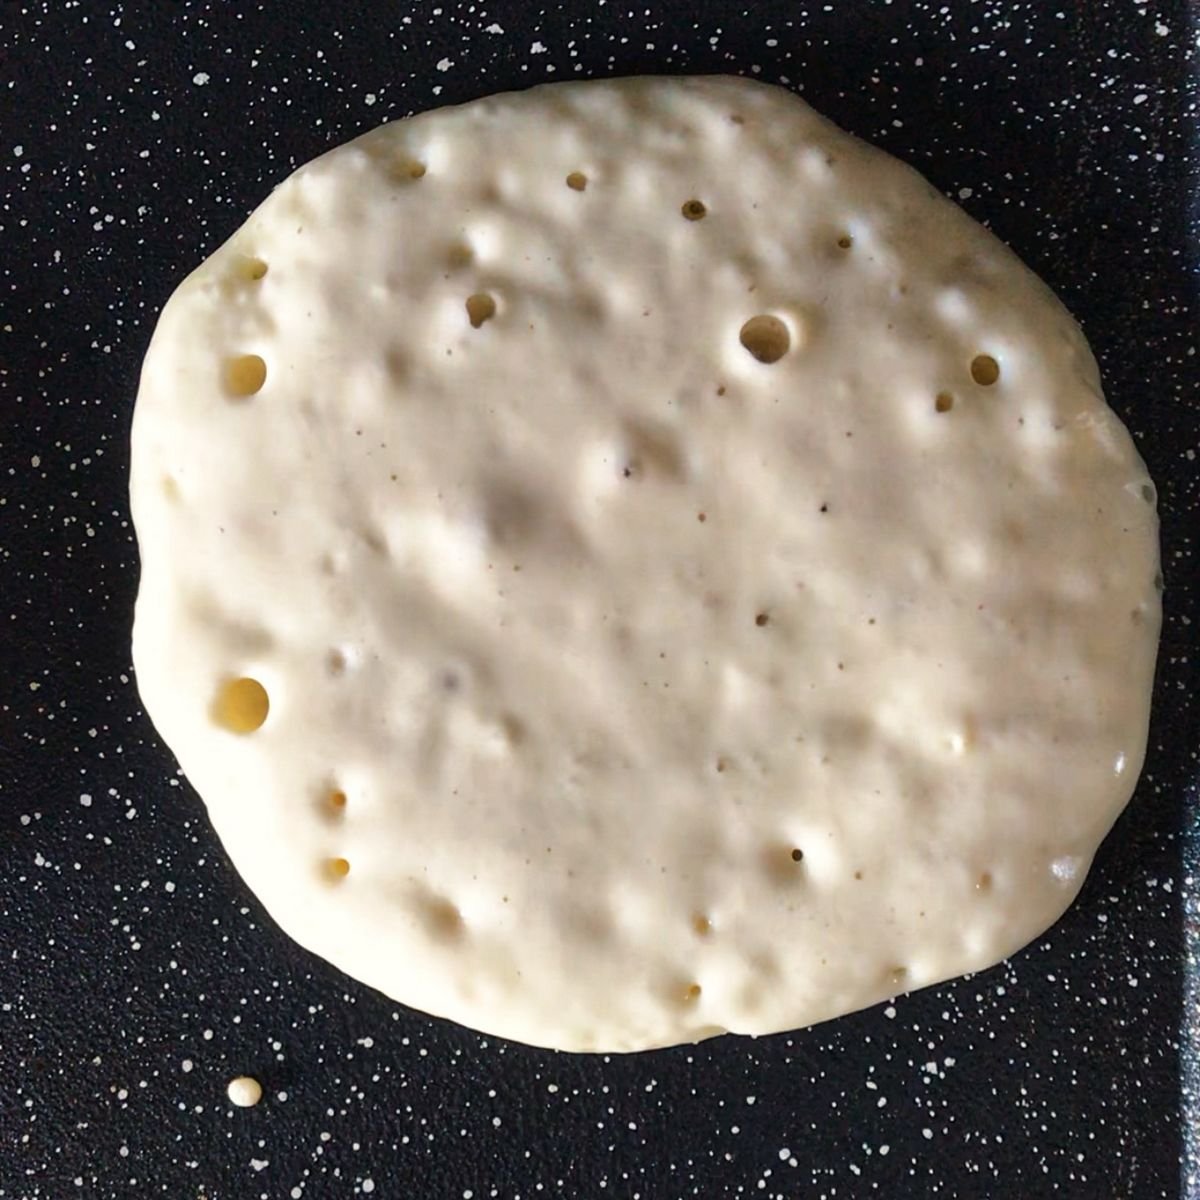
137 973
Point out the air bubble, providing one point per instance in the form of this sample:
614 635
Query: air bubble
766 338
480 308
241 705
245 375
985 370
405 170
337 869
250 268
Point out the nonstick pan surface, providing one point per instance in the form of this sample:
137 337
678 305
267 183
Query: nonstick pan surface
138 975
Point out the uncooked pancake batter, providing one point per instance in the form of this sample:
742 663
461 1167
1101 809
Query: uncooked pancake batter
628 561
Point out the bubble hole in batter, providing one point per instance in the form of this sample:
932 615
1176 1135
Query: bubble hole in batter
766 338
245 375
336 869
480 308
240 705
985 370
251 268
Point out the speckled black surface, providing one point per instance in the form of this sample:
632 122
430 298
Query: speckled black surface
137 975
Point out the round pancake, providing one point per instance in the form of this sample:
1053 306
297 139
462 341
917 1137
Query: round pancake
627 561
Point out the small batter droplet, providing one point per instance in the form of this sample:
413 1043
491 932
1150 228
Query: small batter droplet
244 1091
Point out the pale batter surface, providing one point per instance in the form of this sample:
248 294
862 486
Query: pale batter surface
628 561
